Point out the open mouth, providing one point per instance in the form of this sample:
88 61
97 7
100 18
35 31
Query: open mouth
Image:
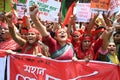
62 36
30 39
112 50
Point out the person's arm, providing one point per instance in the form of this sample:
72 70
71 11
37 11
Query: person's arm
28 25
107 20
71 25
106 35
40 27
12 30
27 21
91 23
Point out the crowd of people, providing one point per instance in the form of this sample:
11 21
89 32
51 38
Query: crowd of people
92 41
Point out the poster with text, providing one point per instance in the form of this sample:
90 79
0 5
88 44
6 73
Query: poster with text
48 9
114 6
83 12
100 5
20 9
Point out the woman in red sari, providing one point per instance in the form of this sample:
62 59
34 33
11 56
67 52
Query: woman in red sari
7 42
59 48
88 48
30 45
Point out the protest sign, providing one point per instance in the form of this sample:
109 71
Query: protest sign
48 9
20 10
37 68
100 5
83 12
114 6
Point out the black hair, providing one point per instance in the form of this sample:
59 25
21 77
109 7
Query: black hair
116 34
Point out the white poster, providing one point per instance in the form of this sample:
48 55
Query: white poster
83 12
114 6
49 9
20 10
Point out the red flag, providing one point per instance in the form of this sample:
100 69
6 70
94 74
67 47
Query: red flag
24 21
69 13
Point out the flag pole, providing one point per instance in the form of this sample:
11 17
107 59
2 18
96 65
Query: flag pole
4 5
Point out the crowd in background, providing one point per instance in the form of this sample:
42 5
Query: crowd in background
98 39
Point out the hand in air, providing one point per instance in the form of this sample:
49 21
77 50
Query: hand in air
8 17
33 10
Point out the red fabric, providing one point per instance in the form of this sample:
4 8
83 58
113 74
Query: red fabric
51 43
30 51
91 51
69 13
54 46
24 21
86 38
23 67
9 44
34 30
97 31
82 55
76 44
76 32
24 31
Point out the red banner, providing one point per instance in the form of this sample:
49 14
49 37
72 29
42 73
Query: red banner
35 68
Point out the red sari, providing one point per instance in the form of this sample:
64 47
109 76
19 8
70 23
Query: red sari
9 44
31 50
91 52
34 45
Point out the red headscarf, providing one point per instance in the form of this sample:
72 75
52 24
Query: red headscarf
34 30
75 32
90 52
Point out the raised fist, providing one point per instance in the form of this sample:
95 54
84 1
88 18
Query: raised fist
33 10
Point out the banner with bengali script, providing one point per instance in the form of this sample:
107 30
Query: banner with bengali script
23 67
48 9
100 5
2 65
